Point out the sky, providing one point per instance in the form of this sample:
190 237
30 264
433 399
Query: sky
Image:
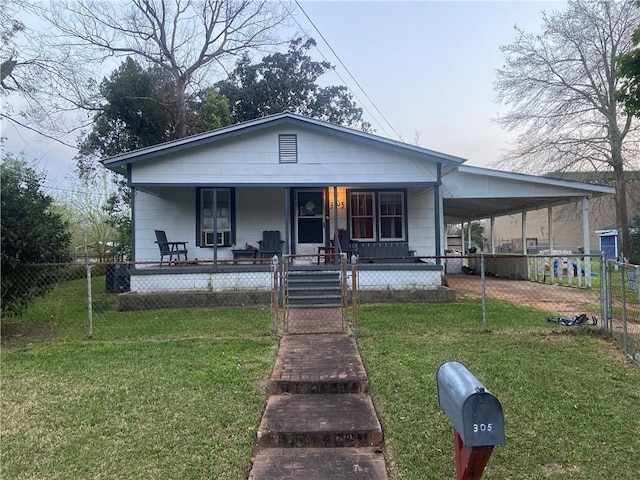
427 66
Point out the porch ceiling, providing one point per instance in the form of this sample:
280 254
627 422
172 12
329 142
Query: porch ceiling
458 210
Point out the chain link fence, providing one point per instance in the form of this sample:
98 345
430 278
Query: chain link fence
560 285
623 306
51 300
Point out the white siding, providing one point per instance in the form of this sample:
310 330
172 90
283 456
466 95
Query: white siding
171 210
258 209
323 159
174 211
422 227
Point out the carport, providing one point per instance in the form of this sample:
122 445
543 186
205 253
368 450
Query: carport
475 193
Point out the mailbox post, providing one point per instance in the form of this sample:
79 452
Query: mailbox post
476 416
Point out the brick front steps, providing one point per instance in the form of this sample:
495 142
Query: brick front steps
325 420
319 464
319 422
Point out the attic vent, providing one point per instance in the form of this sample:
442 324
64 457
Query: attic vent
288 148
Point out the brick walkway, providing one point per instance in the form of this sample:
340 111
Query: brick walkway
319 422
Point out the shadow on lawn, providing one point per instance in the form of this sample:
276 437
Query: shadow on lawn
18 335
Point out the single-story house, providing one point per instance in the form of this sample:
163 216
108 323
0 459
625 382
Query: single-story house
311 180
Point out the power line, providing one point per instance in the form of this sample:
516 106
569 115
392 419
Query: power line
364 106
38 131
347 69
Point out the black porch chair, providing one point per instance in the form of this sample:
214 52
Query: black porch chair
170 248
271 244
344 245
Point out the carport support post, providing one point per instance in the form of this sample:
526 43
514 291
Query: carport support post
550 223
493 235
586 240
524 233
483 283
470 462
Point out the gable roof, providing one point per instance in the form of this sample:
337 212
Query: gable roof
118 163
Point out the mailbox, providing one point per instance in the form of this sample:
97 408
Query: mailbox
475 413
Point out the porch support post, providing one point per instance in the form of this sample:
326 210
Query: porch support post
493 235
468 236
215 223
524 233
335 215
550 222
586 240
438 216
287 220
134 191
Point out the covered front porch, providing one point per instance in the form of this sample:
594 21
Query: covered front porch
239 223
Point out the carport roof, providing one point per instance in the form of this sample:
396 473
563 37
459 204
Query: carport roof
475 193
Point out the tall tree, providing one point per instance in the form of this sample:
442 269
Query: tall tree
560 86
184 38
288 81
136 111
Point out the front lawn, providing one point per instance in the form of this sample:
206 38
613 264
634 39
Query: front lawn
570 398
179 393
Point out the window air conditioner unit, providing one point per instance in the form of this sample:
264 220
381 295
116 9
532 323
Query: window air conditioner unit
224 239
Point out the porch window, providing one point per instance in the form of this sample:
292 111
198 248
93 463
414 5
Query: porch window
377 216
391 208
224 214
362 215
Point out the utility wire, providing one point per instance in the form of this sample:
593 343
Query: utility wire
364 106
347 69
38 131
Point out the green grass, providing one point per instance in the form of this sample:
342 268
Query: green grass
158 395
570 398
171 394
144 409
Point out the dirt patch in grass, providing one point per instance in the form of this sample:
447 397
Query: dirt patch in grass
17 335
555 469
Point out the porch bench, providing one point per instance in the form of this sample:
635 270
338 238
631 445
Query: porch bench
390 252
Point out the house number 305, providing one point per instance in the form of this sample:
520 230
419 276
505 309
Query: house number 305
482 427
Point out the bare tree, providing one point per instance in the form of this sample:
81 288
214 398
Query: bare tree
187 38
560 86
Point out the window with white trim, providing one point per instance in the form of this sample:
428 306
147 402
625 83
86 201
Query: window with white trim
362 215
391 208
377 216
224 213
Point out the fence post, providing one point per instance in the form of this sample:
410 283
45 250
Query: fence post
604 301
354 297
275 295
484 293
625 345
89 302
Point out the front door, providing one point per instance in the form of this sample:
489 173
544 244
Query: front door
310 214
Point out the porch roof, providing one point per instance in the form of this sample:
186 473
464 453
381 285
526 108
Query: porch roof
474 193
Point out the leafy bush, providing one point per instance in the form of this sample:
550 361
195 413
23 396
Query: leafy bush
32 232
